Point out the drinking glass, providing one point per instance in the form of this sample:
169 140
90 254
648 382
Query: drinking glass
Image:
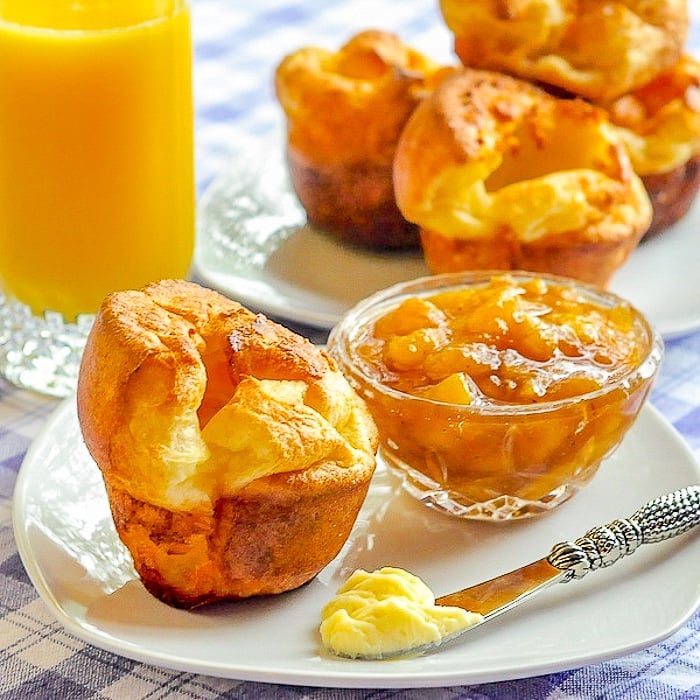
96 169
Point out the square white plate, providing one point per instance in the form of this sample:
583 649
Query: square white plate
70 549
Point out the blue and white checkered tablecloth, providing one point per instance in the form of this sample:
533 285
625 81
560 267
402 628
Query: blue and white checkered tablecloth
237 46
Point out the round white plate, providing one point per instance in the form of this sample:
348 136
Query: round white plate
253 244
67 542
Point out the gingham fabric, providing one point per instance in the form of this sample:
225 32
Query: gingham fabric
237 45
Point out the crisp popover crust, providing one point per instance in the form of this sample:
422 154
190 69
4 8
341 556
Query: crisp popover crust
598 49
499 174
659 124
235 455
345 110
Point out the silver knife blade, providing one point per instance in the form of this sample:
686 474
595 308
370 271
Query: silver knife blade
499 594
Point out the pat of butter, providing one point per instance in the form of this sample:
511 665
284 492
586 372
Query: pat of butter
385 612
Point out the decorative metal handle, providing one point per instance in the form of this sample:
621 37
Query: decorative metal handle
661 519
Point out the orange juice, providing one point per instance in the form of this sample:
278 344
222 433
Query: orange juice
96 148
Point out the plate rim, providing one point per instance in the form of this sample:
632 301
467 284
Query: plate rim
333 678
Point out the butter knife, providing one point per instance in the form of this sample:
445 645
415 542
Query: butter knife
658 520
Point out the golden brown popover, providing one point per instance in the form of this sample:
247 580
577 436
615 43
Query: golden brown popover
598 49
234 453
660 125
499 174
344 112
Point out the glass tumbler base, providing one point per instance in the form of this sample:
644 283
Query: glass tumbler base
41 353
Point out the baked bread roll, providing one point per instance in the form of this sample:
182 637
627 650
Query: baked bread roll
234 453
599 49
499 174
660 125
345 111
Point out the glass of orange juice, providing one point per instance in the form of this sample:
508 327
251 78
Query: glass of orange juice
96 169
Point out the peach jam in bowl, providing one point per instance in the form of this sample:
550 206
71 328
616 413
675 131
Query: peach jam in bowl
497 395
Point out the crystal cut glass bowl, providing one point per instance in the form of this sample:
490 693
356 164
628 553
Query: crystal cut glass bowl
497 395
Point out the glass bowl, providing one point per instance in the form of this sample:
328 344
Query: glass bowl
497 395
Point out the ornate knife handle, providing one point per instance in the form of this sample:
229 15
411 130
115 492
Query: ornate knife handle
661 519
